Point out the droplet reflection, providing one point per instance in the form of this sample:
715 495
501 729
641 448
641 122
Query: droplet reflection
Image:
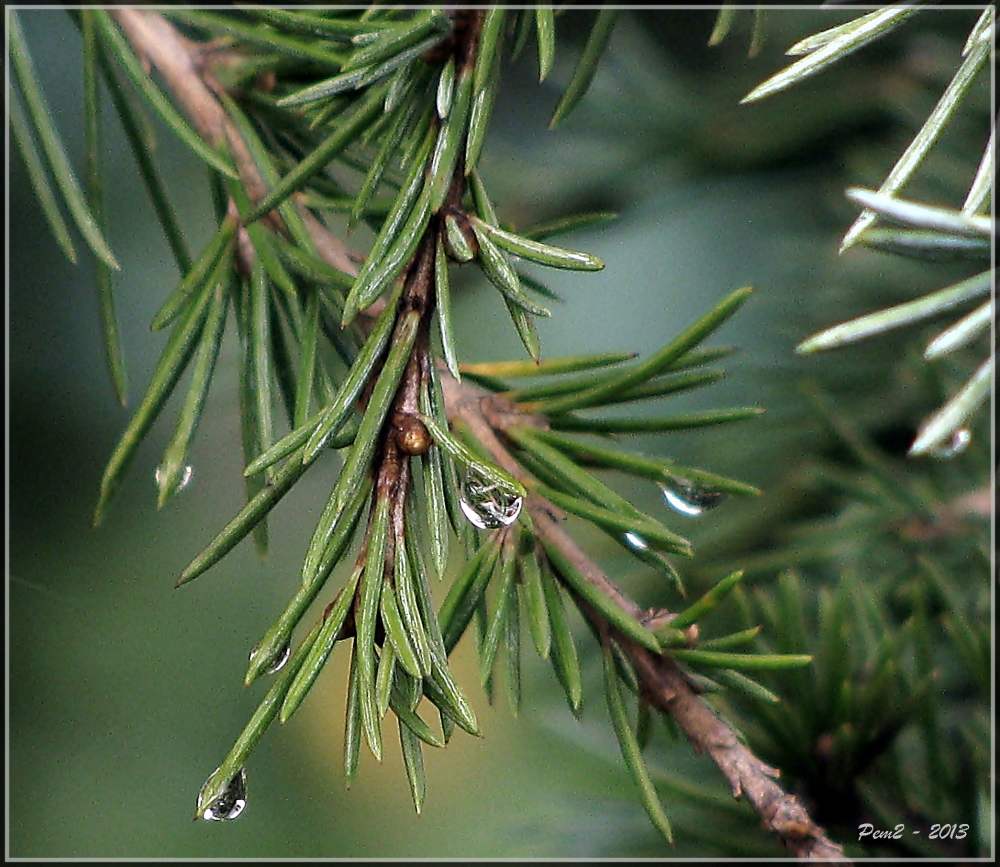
231 802
960 440
689 499
182 482
486 504
636 542
278 662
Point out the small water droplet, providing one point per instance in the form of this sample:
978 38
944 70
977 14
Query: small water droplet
486 504
960 440
231 802
182 482
689 499
635 541
278 662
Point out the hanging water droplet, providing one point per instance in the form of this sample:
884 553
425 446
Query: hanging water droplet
231 802
636 542
182 482
486 504
689 499
960 439
278 662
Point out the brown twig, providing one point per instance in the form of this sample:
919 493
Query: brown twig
158 44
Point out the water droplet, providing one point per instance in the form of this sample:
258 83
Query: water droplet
278 662
231 802
182 482
960 440
688 499
636 542
486 504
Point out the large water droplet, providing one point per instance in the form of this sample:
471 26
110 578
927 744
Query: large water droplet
689 499
959 442
486 504
231 802
278 662
182 482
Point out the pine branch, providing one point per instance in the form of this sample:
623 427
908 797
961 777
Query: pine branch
400 652
664 683
281 106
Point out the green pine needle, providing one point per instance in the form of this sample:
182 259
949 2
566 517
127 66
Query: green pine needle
44 129
587 65
631 752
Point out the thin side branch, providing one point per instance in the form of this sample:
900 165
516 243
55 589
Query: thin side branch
664 682
179 62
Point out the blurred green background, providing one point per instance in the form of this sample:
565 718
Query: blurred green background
124 693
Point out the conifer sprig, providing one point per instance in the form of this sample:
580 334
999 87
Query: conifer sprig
296 110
